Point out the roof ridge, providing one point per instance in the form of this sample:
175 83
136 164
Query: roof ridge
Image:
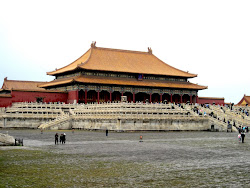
122 50
24 81
82 63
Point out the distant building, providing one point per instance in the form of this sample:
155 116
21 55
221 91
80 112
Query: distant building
211 100
245 101
28 91
104 75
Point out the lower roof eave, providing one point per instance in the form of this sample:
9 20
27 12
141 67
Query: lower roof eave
182 88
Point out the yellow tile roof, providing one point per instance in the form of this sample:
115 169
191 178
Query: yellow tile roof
245 100
73 65
125 82
115 60
5 95
18 85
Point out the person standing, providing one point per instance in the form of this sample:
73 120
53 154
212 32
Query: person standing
61 138
64 138
107 132
239 129
242 137
239 135
56 138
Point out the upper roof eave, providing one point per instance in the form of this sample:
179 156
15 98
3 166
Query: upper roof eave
193 75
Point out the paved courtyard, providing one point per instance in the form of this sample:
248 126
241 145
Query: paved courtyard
179 159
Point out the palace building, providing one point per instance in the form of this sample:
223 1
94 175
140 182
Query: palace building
104 75
28 91
212 100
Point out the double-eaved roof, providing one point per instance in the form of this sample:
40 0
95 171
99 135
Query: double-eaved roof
123 61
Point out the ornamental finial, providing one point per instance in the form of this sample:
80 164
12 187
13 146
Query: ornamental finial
150 50
93 44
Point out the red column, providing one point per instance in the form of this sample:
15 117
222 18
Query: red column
191 99
77 96
171 98
161 97
86 95
98 96
133 97
150 97
197 99
110 96
181 98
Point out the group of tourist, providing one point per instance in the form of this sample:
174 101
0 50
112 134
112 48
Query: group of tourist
62 138
244 111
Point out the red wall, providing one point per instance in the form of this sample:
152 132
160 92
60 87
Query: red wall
28 96
211 101
72 96
5 101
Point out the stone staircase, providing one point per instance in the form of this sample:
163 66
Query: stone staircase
61 122
221 116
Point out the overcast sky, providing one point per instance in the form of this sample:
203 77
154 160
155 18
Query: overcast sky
210 38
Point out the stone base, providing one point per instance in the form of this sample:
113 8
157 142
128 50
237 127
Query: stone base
194 124
142 125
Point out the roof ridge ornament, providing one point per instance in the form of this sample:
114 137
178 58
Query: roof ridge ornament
150 50
93 44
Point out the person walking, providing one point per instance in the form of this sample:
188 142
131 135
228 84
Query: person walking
56 138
